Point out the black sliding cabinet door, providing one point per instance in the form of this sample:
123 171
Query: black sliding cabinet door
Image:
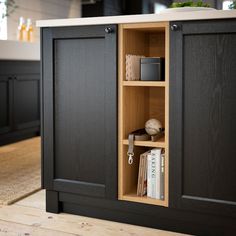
80 110
203 116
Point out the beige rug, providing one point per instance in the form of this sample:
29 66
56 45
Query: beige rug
20 171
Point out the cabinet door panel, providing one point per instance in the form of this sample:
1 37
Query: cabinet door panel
209 105
5 104
26 101
84 95
80 94
202 117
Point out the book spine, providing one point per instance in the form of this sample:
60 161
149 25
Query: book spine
149 175
162 185
156 153
145 176
142 175
158 174
139 190
153 175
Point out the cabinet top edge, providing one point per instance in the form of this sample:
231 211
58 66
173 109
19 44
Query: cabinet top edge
177 16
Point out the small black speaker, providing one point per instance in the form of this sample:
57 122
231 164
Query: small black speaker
152 69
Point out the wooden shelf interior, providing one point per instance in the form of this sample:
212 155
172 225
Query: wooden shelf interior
159 143
149 42
132 196
145 83
130 180
141 104
140 101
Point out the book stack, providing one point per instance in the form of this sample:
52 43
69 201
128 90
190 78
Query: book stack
151 174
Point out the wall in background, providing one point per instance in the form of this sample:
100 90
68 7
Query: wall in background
41 9
103 8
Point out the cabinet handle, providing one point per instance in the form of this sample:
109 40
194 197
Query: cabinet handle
175 27
109 30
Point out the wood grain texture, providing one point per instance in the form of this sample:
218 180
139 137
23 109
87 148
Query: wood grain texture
144 83
16 229
82 118
157 44
159 143
140 101
79 98
167 110
156 26
29 217
209 115
36 200
121 73
202 117
182 220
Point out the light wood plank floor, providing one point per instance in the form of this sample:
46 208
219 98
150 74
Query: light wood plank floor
28 217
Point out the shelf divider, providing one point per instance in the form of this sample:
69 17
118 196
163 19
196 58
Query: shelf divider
146 200
160 143
145 83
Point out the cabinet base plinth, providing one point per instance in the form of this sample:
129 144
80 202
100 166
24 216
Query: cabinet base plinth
52 202
147 215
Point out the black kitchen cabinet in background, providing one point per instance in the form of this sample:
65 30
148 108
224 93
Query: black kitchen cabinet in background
19 100
202 116
80 111
6 90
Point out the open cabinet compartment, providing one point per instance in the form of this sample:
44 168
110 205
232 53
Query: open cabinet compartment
130 181
148 41
140 101
141 104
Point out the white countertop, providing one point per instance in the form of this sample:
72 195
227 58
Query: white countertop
14 50
177 16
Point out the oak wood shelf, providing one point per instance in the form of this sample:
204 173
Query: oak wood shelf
140 101
134 198
160 143
145 83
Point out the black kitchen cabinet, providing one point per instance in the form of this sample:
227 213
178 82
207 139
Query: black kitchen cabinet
202 116
5 104
26 101
20 100
80 114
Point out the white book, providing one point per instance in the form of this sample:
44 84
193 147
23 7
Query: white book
153 176
156 173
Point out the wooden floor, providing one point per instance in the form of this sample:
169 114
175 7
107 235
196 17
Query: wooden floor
28 217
